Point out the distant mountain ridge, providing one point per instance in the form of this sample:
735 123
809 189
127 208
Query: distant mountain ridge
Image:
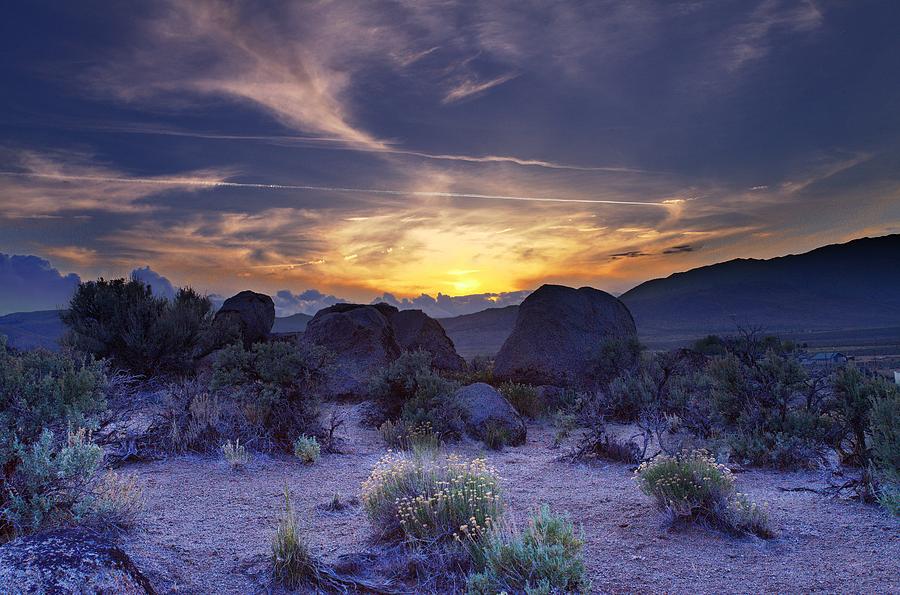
855 285
30 330
295 323
850 286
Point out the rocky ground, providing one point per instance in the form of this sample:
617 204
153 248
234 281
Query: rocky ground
207 529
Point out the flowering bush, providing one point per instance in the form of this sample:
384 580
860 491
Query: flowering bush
545 558
691 485
307 449
431 499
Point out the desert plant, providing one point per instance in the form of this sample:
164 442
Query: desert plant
496 437
598 443
306 448
123 321
524 398
236 454
292 565
270 392
885 437
426 499
545 558
614 356
59 485
419 439
692 486
396 384
40 389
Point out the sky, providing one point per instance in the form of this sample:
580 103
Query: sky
432 153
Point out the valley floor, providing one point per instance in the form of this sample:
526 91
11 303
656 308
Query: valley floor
207 529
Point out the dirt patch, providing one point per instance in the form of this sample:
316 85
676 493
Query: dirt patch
207 529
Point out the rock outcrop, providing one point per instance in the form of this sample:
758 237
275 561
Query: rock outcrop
362 340
416 330
485 408
68 561
366 338
558 335
250 312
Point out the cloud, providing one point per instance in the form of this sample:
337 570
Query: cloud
629 254
445 306
679 249
57 184
469 88
306 302
29 283
159 284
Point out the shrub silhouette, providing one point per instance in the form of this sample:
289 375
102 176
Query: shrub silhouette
123 321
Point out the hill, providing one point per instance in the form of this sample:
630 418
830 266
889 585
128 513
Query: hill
29 330
295 323
481 333
855 285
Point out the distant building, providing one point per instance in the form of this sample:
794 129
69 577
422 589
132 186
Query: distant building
824 358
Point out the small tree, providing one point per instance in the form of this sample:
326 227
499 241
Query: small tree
123 321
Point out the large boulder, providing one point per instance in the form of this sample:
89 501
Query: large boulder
558 336
68 561
415 330
250 312
485 408
362 340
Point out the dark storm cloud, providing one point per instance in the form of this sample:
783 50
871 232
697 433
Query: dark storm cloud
29 283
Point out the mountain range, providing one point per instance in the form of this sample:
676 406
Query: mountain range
852 287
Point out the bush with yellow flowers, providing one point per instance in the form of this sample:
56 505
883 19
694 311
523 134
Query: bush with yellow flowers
692 485
429 498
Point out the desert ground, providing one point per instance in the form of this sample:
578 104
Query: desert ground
207 529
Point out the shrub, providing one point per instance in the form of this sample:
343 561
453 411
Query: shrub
40 389
614 356
123 321
426 500
409 390
545 558
396 384
480 369
58 485
692 486
600 444
524 398
496 437
292 565
306 448
236 454
885 435
419 439
269 393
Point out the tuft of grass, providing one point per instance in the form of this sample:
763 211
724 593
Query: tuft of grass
236 454
424 500
307 449
545 558
692 486
524 398
495 437
419 438
118 500
292 565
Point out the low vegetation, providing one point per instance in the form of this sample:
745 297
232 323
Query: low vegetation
692 486
292 565
123 321
427 499
524 398
545 558
410 394
307 449
236 454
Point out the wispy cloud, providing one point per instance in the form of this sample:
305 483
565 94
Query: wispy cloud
469 88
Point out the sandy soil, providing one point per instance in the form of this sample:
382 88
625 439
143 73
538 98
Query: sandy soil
207 529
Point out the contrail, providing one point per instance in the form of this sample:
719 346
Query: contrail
221 184
340 144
